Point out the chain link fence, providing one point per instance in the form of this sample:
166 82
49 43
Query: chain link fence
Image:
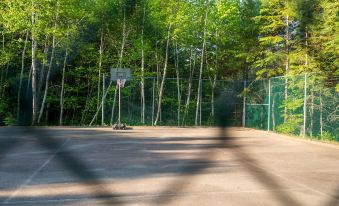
179 105
305 105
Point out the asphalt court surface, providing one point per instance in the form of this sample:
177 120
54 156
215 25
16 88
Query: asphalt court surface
164 166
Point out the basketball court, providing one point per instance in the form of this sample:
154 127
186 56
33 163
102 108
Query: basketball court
164 166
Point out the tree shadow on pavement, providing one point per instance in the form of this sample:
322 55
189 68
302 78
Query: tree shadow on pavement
188 172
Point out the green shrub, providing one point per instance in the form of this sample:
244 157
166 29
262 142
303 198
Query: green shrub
292 126
327 136
10 120
286 128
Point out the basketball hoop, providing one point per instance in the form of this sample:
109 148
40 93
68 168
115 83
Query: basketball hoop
120 75
121 83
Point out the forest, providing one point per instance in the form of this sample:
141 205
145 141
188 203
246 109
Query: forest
56 55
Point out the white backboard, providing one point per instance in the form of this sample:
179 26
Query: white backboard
120 73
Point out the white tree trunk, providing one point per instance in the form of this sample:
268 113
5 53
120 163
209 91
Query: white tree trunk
178 82
62 93
21 74
40 83
287 67
34 48
49 67
189 90
163 76
123 41
305 92
158 76
47 81
142 70
101 51
200 72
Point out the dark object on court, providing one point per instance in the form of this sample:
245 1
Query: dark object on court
225 106
119 126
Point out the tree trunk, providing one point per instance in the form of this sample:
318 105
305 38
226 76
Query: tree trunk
287 66
101 51
178 82
49 69
34 48
163 76
200 72
158 76
42 72
113 106
89 94
305 90
29 82
215 77
3 40
123 41
303 129
189 90
2 70
3 88
213 84
21 75
142 70
62 93
157 64
47 81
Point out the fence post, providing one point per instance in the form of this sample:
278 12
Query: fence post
305 104
269 105
153 101
200 102
244 106
102 101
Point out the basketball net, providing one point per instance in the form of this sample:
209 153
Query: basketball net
121 82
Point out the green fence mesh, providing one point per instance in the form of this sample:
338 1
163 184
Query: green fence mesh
305 105
176 110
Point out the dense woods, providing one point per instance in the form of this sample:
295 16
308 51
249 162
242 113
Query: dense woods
54 53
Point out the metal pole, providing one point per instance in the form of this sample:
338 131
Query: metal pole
200 101
269 105
153 91
305 104
119 122
102 101
244 106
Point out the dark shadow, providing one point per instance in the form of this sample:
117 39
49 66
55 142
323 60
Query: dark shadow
118 153
334 201
71 163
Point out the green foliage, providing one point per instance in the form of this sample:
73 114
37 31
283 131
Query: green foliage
327 136
10 120
252 39
290 127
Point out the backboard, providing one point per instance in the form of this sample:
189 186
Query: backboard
120 73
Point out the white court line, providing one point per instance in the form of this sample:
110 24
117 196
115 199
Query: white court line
274 173
28 153
145 196
29 179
